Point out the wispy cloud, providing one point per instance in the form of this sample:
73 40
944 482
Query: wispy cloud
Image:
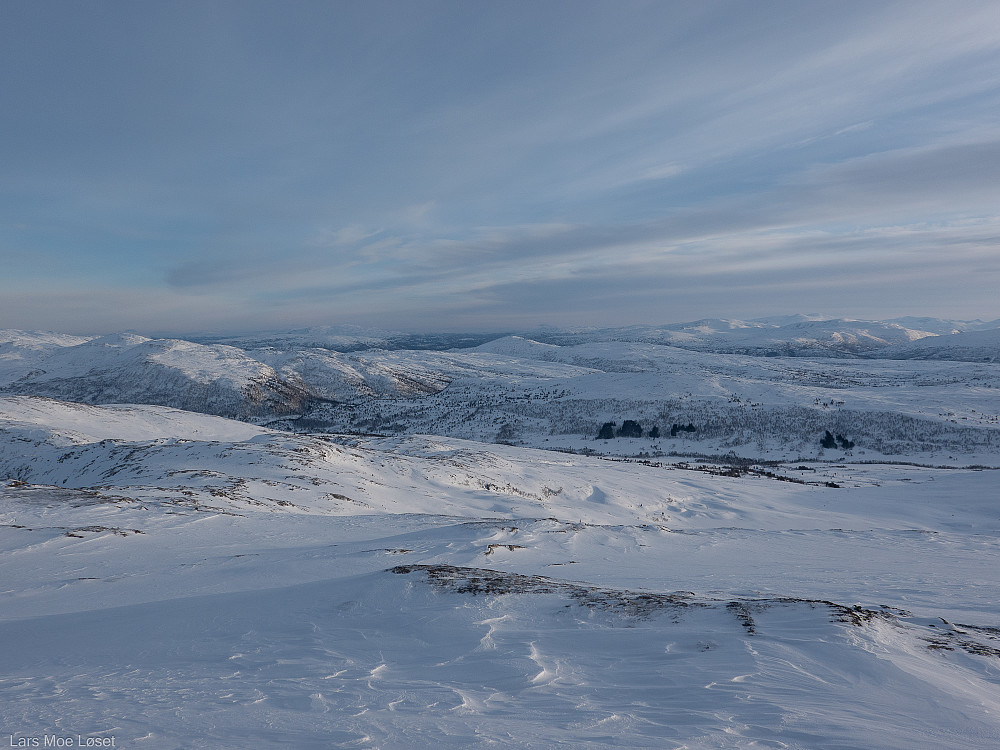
405 163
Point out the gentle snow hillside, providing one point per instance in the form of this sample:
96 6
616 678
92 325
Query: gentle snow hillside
170 579
61 423
974 346
127 368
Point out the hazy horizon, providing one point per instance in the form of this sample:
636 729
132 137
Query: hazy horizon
908 321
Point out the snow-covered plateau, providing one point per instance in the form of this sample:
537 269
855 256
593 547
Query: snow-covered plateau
405 548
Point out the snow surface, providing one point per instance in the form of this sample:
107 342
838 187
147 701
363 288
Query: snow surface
971 346
380 556
178 580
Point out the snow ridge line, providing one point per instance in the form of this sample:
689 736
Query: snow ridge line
938 633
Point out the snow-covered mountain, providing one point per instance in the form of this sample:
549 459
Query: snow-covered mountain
228 381
785 336
127 368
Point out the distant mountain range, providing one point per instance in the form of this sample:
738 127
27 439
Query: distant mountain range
783 336
807 336
758 387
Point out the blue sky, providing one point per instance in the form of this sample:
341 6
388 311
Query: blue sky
230 166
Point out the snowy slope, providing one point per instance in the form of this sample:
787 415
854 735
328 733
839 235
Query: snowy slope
22 352
971 346
348 338
398 374
227 381
71 423
12 340
126 368
207 584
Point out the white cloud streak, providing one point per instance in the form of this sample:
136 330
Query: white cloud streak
405 163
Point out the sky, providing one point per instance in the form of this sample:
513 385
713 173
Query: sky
218 166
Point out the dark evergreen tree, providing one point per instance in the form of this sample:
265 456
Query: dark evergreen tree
845 444
655 432
828 441
607 431
630 428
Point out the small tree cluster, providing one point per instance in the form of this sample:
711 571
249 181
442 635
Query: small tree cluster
681 428
830 442
630 429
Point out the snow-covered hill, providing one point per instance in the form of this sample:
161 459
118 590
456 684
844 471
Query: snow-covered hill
127 368
170 579
232 382
935 406
971 346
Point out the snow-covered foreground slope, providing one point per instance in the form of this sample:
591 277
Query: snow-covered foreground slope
209 584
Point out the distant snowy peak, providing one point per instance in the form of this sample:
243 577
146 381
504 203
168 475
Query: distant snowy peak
12 339
790 336
265 382
335 338
778 321
944 327
119 340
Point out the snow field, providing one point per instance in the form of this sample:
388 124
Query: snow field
195 586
